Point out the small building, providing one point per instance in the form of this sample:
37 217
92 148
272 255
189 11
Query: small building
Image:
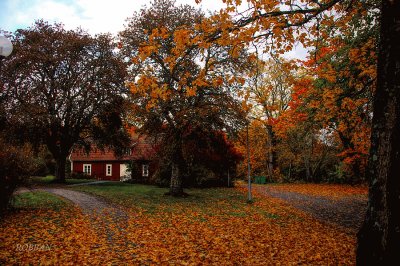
103 164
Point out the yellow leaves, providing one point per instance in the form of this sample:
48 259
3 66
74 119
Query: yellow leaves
217 81
200 82
144 83
159 33
182 39
246 106
146 50
191 91
170 61
364 59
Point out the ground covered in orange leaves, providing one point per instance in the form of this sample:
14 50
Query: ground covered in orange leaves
332 191
212 226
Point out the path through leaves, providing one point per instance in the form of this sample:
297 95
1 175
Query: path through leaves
222 230
342 205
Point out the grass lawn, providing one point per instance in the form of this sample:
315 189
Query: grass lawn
48 180
38 200
151 199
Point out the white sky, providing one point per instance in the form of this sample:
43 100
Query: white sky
96 16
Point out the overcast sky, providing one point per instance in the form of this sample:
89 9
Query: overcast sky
96 16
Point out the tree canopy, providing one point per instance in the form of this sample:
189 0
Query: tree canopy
178 86
61 86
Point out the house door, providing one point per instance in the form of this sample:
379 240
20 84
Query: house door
125 174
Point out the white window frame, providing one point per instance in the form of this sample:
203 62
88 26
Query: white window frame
108 167
145 170
88 166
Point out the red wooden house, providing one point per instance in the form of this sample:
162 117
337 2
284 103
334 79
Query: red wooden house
105 165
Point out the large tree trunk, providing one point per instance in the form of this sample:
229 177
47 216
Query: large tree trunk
176 188
379 237
60 169
60 153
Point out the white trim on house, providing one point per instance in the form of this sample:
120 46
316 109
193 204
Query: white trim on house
145 170
108 169
87 168
71 162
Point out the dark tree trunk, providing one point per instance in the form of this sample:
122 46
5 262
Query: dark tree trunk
60 153
176 188
60 169
379 237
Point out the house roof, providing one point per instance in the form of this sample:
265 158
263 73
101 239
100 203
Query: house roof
141 149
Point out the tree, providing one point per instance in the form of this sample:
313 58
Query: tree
177 85
379 237
209 158
61 85
269 91
344 74
257 149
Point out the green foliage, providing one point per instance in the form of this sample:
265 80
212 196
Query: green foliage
77 178
42 179
37 200
75 175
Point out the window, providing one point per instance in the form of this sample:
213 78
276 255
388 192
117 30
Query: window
145 170
108 169
87 169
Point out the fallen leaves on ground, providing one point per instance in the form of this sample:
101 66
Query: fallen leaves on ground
332 191
224 232
48 236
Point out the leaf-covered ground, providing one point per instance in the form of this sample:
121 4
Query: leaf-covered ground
213 226
331 191
341 205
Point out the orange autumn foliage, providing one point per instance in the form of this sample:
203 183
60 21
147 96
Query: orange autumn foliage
340 70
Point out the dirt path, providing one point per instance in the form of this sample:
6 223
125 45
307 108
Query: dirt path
347 212
88 203
105 217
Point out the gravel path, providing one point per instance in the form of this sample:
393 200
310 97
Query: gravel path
103 215
88 203
347 212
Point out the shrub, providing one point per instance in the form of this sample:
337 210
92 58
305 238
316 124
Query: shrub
15 166
79 175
